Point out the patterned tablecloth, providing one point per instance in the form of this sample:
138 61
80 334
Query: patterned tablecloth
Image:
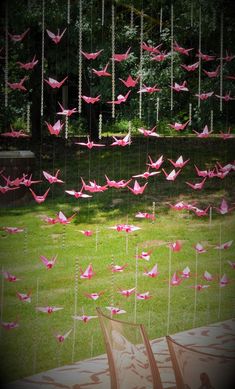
218 338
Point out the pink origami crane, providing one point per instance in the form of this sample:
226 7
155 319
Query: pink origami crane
28 181
151 49
180 87
137 189
84 318
61 338
6 188
175 280
122 142
117 268
224 208
115 310
157 164
48 309
200 212
130 82
49 263
186 272
232 264
179 206
220 174
103 72
86 232
88 273
213 74
179 126
18 85
228 57
228 167
204 134
199 248
127 292
18 37
66 112
199 287
93 296
120 99
91 55
91 100
197 186
172 175
56 128
145 215
89 144
50 220
15 182
52 179
152 273
9 325
224 246
151 132
201 173
181 50
77 195
28 65
175 246
226 97
149 89
56 38
143 296
9 277
93 187
15 134
226 135
62 219
190 68
160 57
12 230
205 57
25 297
207 276
179 163
204 96
39 199
117 184
145 255
121 57
223 281
146 174
54 83
125 228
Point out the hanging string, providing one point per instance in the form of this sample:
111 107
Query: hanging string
68 12
221 60
210 216
113 61
195 291
169 294
102 13
132 18
75 305
191 14
2 297
66 126
190 114
157 109
100 125
212 119
112 284
149 322
92 344
160 22
6 55
43 53
129 131
96 238
141 62
80 59
213 19
200 61
153 210
136 283
172 53
220 270
28 119
36 337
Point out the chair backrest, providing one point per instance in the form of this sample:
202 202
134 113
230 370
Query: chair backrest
198 370
131 361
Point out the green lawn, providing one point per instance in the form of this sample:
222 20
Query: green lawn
32 347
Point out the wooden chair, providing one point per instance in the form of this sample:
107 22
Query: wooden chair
131 361
198 370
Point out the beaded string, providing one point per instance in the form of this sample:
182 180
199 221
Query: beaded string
200 61
6 55
68 12
80 59
75 305
102 13
221 60
113 61
141 62
172 53
43 54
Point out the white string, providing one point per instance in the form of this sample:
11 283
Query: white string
36 332
172 53
160 22
190 114
43 53
2 296
28 118
75 305
92 343
136 283
129 132
221 60
100 125
132 18
200 62
6 55
66 126
96 239
191 14
68 12
141 62
102 13
195 291
113 61
154 209
210 216
80 60
157 109
220 271
169 294
212 119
